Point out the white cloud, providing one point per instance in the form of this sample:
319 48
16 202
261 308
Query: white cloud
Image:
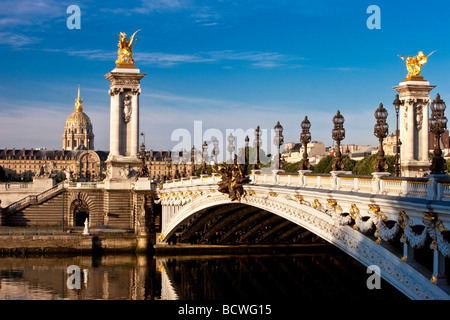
17 40
30 12
26 124
161 59
162 113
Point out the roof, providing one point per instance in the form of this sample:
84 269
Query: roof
30 154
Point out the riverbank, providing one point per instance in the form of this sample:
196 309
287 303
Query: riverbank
205 249
119 243
67 243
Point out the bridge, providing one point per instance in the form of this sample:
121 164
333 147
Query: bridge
398 224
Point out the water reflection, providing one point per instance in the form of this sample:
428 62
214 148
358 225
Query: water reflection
327 275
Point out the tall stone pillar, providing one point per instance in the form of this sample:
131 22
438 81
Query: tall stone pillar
122 161
414 95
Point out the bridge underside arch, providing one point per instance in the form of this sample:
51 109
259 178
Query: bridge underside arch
258 217
238 223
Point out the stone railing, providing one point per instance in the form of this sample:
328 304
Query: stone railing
431 187
84 185
191 181
15 186
34 198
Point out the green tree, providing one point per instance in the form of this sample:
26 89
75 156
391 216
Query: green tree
366 166
325 165
263 158
291 166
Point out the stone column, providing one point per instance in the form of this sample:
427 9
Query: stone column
125 89
114 124
123 163
413 118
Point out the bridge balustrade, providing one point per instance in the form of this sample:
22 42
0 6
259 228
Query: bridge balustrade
428 187
14 185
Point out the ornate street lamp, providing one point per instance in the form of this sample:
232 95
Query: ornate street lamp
438 125
216 150
246 153
380 131
338 134
305 138
144 171
397 103
183 163
193 158
230 147
278 141
257 144
204 155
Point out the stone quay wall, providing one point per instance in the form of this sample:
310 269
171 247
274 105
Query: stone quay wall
67 244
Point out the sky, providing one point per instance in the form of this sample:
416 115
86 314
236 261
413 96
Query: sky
218 65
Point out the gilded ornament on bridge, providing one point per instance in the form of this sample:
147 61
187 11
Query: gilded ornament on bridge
414 65
125 52
234 177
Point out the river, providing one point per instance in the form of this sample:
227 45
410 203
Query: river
310 275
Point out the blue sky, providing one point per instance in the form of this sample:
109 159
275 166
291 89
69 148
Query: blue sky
229 64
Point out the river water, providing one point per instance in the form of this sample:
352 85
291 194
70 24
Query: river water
310 275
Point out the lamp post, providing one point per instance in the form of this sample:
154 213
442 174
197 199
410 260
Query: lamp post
215 149
305 138
257 144
278 141
193 158
380 131
230 147
397 103
204 155
438 125
184 157
338 134
246 152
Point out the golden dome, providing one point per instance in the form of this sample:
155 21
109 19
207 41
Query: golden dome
78 118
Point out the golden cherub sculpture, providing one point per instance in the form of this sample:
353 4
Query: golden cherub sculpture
414 64
125 52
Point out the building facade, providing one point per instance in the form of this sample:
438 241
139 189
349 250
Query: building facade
78 160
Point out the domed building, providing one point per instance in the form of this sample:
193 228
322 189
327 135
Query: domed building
78 160
78 132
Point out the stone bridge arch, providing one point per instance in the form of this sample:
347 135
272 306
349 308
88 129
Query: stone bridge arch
356 225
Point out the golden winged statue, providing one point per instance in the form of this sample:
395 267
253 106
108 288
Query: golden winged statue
414 64
125 52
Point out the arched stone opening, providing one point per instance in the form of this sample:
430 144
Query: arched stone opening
80 212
